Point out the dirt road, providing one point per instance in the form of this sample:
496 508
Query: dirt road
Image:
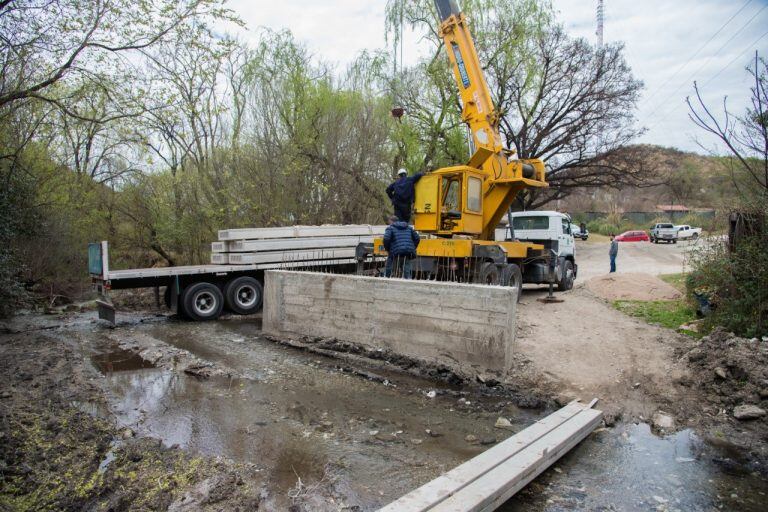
583 347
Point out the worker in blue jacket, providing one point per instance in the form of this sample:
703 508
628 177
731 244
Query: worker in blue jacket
401 241
401 193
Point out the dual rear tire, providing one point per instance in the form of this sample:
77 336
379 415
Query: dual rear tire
205 301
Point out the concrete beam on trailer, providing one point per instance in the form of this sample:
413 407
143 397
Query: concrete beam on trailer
317 256
284 244
486 481
301 231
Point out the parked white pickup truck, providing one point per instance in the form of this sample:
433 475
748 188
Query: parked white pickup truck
664 233
686 232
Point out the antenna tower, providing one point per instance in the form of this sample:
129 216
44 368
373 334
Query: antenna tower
600 19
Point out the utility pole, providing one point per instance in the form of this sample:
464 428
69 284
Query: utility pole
600 19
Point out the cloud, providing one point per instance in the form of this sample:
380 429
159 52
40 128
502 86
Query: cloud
662 39
660 36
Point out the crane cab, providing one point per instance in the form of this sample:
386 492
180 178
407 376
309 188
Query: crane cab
450 202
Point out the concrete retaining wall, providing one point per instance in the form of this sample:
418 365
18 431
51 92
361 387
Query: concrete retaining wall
470 328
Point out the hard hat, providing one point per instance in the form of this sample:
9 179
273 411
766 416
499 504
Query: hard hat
402 172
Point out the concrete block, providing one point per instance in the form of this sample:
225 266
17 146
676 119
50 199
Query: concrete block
470 328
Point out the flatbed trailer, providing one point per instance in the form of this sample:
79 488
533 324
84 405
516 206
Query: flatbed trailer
199 292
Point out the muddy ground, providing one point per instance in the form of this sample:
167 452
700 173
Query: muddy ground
167 415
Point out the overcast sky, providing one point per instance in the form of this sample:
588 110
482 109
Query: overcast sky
668 44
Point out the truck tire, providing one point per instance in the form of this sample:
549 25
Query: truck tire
488 274
695 236
202 302
512 276
244 295
567 278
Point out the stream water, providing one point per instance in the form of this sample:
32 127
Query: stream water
300 416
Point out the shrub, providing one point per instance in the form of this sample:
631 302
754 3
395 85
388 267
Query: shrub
735 282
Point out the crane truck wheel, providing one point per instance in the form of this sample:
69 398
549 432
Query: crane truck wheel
488 274
202 301
244 295
513 276
566 281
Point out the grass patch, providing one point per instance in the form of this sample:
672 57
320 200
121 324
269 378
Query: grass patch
676 280
666 313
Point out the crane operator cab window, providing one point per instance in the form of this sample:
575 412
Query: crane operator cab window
474 194
452 197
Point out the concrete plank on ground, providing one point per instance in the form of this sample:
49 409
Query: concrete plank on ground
496 487
486 481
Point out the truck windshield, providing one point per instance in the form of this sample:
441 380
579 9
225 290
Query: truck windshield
532 222
665 226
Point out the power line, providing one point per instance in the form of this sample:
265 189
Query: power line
736 58
740 55
699 50
669 96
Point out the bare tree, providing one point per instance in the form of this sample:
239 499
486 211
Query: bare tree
574 111
745 136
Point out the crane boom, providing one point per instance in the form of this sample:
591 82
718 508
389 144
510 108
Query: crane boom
478 112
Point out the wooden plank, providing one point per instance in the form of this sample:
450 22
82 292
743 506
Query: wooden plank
301 231
295 243
496 487
439 489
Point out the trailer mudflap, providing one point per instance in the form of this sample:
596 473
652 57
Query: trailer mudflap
106 311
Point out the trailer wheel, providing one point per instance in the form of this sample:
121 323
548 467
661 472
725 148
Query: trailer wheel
202 301
488 274
566 282
244 295
513 276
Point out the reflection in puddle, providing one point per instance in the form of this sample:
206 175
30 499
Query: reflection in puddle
119 360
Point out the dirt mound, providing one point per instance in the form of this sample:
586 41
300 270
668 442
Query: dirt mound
732 371
632 287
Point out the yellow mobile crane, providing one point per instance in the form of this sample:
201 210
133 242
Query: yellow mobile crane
458 208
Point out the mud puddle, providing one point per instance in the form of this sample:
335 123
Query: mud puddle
314 428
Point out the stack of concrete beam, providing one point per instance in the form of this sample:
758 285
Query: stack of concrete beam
292 244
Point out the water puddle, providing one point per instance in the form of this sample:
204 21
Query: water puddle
630 468
115 359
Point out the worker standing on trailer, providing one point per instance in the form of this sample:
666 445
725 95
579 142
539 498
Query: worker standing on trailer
401 193
613 252
401 241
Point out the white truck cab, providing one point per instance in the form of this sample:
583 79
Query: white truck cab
551 229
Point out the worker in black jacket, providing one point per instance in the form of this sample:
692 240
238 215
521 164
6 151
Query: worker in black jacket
401 193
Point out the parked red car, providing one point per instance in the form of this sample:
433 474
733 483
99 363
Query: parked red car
633 236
